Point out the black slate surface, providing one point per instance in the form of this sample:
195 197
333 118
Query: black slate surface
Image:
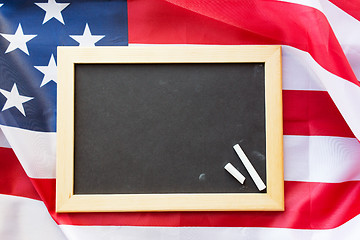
167 128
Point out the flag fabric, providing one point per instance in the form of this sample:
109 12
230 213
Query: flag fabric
321 91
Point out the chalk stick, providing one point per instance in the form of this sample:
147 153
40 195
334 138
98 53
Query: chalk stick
249 167
235 173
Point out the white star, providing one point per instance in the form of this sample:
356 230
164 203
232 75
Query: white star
1 4
18 40
87 40
14 99
53 10
49 71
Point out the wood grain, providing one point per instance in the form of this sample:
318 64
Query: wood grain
67 201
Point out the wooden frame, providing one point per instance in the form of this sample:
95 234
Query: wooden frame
273 199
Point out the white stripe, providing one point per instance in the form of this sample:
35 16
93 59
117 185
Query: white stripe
345 94
297 72
3 141
344 26
321 159
23 218
310 3
350 230
346 29
35 150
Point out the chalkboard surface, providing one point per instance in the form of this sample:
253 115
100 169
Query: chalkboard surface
167 128
152 128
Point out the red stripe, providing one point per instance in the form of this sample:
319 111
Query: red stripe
351 7
312 113
308 206
238 22
13 179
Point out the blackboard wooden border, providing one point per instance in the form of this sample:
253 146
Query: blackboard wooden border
272 200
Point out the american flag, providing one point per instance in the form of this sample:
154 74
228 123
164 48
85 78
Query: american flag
321 66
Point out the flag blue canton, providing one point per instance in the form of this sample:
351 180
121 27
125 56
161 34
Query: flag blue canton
28 43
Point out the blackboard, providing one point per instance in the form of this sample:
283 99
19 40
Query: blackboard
165 128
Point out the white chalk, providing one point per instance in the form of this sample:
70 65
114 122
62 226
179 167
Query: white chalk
249 167
235 173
